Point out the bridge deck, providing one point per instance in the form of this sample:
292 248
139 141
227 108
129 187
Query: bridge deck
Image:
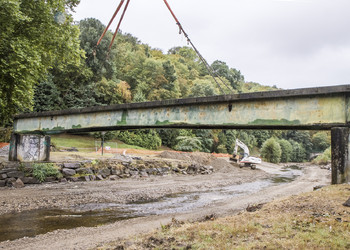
311 108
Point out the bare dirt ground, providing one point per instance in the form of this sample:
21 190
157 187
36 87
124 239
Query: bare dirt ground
68 195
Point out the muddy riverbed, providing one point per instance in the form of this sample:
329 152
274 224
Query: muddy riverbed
89 214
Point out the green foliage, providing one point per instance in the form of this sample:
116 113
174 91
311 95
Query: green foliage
287 150
206 138
222 149
271 151
233 76
35 36
298 153
303 138
146 138
321 141
188 144
5 134
169 136
261 136
324 158
43 170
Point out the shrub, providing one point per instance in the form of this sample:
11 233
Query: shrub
188 144
287 150
299 152
271 151
146 138
321 141
43 170
324 158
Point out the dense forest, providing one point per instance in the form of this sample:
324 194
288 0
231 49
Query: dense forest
48 62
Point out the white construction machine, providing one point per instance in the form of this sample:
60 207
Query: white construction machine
246 161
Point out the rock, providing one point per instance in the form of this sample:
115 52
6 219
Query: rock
113 177
71 165
18 183
73 179
3 176
144 174
84 178
105 172
68 172
99 177
116 172
10 181
92 177
30 180
50 179
63 180
347 203
15 174
84 171
134 173
2 183
318 187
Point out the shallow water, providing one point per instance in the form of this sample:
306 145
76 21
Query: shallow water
35 222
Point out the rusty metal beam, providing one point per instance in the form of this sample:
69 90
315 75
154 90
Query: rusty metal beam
311 108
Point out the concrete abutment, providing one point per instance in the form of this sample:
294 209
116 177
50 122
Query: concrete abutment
340 155
29 148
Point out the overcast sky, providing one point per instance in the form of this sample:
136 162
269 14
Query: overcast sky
288 43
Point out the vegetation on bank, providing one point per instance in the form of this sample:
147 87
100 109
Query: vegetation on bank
316 220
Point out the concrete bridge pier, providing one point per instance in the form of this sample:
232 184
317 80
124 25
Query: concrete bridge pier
340 155
29 148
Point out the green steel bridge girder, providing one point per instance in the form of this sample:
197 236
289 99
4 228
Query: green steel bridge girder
312 108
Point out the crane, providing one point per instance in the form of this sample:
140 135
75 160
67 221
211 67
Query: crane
247 160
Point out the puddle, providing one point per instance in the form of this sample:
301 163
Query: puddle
35 222
31 223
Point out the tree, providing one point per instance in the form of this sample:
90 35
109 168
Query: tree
287 150
271 151
232 75
321 141
99 59
188 144
299 152
35 36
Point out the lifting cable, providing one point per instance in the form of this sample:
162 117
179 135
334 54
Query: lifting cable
209 68
212 73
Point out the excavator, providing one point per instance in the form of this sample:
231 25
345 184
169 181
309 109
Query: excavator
246 161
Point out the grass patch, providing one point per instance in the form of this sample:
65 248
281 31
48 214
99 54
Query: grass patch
316 220
85 143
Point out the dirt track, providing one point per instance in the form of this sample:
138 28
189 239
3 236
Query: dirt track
67 195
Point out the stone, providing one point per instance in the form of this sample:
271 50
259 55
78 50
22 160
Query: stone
113 177
99 177
134 173
73 179
15 174
105 172
84 171
75 165
3 176
50 179
84 178
30 180
144 174
18 183
63 180
10 181
116 172
347 203
2 183
92 177
68 172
